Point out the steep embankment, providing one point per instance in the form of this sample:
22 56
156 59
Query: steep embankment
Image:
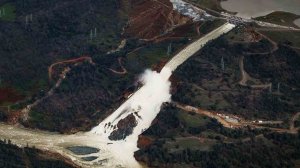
151 18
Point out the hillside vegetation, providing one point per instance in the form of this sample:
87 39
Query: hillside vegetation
173 142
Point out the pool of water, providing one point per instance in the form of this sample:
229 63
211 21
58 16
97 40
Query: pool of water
297 22
90 158
255 8
82 150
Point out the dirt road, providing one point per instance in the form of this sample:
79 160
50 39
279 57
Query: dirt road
208 114
25 111
230 121
123 72
274 45
75 60
292 122
246 77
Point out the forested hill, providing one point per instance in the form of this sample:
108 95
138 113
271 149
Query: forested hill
36 33
12 156
185 139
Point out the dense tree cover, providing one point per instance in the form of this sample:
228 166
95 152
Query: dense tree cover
244 154
44 32
87 95
12 156
206 84
61 30
259 149
297 123
281 66
169 123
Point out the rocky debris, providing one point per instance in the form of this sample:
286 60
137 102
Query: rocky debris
137 114
124 128
189 10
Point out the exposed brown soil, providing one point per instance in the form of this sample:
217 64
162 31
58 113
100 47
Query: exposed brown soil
13 117
9 95
151 18
180 32
274 44
75 60
159 66
144 141
242 122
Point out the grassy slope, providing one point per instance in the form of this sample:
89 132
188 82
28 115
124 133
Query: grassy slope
281 18
7 12
289 37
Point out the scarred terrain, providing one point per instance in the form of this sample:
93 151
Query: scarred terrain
207 100
152 18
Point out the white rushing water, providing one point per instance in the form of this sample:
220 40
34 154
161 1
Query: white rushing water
147 101
144 104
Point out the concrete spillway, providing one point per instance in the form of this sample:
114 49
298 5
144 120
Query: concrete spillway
150 93
145 104
191 49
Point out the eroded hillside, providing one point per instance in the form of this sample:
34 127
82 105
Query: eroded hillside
151 18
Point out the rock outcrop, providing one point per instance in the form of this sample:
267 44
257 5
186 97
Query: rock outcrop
124 128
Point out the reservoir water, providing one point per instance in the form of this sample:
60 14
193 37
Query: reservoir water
255 8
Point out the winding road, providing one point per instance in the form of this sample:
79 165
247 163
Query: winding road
123 72
238 122
246 77
75 60
110 154
25 111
